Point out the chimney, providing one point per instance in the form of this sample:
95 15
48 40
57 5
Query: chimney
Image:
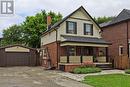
49 21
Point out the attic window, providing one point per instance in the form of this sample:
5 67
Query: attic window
88 29
71 27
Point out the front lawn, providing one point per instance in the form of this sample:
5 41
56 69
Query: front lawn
113 80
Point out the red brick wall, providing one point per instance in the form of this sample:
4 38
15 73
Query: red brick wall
117 35
129 29
63 51
69 68
52 48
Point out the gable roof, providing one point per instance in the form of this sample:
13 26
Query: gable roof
123 16
17 45
60 22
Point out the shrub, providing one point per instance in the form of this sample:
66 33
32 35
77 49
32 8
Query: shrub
127 71
86 70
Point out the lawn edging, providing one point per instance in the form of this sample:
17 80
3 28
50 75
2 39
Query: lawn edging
80 77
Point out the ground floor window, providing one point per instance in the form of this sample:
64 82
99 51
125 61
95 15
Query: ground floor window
88 51
120 50
72 51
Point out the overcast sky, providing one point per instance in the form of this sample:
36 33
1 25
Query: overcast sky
96 8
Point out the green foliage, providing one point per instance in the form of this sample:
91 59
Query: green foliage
112 80
12 35
100 20
29 32
86 70
127 71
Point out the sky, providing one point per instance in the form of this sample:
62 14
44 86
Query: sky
95 8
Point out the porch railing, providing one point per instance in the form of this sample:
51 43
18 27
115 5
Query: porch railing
81 59
75 59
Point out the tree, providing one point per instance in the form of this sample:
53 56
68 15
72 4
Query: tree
100 20
12 35
29 32
34 26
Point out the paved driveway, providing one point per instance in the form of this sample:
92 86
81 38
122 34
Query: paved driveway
34 77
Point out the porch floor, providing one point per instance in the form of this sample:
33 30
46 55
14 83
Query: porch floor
96 63
82 63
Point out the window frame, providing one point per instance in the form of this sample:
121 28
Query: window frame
121 49
67 27
91 31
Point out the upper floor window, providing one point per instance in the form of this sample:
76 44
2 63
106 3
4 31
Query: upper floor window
71 27
88 29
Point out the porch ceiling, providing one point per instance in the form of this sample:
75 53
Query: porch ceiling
82 44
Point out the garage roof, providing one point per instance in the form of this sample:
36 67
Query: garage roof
17 45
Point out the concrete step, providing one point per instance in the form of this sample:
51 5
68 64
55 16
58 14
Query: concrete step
104 66
107 68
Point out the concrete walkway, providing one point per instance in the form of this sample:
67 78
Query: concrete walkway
80 77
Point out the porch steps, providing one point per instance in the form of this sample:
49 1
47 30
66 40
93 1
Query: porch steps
104 66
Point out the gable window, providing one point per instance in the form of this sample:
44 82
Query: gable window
120 50
88 29
71 27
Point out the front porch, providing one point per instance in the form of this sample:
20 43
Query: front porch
76 56
81 54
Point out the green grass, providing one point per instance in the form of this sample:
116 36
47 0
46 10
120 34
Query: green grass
127 71
113 80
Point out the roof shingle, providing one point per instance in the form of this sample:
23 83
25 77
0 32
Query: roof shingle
84 39
124 15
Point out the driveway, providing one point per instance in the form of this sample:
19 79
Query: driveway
34 77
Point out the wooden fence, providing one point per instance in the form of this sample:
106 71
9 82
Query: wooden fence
122 62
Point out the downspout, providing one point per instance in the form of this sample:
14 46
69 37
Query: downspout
57 48
127 39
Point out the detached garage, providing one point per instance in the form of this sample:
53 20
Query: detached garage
18 55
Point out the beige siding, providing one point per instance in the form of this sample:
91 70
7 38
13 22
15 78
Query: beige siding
48 38
80 14
80 27
87 58
101 59
51 37
16 49
75 59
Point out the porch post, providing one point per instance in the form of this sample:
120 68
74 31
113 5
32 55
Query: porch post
106 54
81 57
67 54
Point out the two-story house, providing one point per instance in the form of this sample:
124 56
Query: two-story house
74 40
117 32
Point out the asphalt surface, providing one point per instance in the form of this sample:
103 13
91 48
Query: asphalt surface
34 77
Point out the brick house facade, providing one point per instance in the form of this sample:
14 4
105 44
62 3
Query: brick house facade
118 33
73 41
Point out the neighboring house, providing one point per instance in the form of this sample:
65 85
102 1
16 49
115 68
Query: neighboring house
118 33
73 41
